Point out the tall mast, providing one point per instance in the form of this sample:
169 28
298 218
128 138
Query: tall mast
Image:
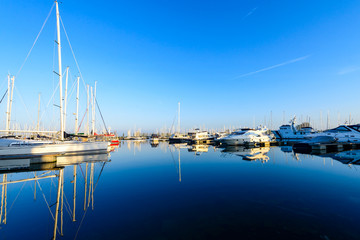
60 71
87 111
8 107
65 100
94 108
179 117
77 107
11 97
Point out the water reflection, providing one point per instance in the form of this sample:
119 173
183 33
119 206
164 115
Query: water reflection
178 164
17 171
168 192
198 148
249 154
350 157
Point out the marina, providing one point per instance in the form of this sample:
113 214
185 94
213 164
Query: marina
266 144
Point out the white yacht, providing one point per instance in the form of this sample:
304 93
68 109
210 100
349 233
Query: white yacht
343 133
246 136
289 131
198 136
179 138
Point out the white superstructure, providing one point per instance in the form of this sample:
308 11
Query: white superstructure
198 136
289 131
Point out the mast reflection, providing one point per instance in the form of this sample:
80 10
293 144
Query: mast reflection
49 171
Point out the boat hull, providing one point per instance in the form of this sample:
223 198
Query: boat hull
64 148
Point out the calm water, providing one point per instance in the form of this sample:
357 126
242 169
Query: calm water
176 192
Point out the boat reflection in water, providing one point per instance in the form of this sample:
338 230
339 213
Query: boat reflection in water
198 148
351 157
249 154
13 171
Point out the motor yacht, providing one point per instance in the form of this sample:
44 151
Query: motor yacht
342 133
197 136
290 132
246 136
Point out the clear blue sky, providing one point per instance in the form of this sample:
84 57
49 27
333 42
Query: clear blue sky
227 62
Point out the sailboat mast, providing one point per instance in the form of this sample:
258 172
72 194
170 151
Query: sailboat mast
77 107
8 107
87 111
60 71
66 93
179 117
94 108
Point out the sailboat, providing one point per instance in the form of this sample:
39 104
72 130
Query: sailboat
37 148
178 137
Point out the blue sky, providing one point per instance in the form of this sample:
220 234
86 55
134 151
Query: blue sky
229 63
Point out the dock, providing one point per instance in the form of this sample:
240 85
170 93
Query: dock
325 147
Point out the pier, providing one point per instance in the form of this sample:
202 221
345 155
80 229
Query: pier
325 147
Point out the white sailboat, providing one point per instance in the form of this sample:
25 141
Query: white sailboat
178 137
17 149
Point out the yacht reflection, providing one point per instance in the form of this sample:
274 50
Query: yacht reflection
154 144
351 157
249 154
49 171
198 148
286 149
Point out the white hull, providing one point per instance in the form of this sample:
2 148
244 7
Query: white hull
343 133
63 148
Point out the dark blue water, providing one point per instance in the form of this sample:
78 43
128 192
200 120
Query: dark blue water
173 192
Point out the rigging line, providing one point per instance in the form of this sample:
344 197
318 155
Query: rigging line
22 100
82 120
82 171
47 204
67 206
99 176
3 84
72 89
37 37
16 197
101 115
72 51
49 102
81 223
4 95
